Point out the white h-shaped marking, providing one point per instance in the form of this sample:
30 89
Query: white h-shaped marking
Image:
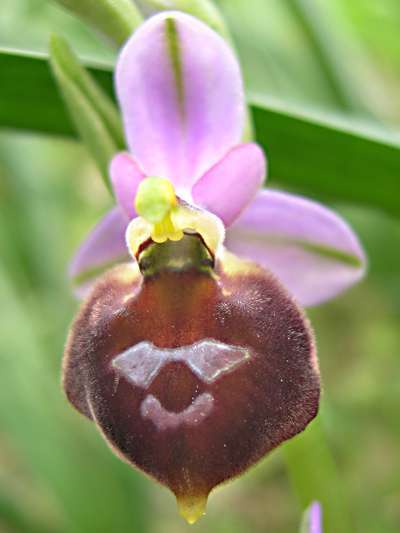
208 359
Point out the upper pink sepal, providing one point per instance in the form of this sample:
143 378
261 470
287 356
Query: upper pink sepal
180 91
307 246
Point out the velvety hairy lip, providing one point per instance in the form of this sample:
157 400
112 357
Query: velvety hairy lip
178 324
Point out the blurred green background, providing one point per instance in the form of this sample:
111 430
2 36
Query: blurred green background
56 474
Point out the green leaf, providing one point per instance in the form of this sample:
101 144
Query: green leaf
306 13
328 157
15 517
329 39
325 157
93 112
116 19
29 98
314 476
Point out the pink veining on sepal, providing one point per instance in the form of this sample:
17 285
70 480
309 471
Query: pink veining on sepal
307 246
230 185
125 176
181 95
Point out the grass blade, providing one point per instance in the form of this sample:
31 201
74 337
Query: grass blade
92 111
116 19
314 477
325 157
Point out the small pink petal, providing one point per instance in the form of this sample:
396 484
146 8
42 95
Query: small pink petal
103 247
315 518
230 185
125 178
310 248
181 95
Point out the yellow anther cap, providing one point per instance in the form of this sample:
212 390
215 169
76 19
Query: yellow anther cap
155 198
155 202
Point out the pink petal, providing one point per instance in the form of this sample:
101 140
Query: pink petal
310 248
104 246
230 185
125 178
181 94
315 518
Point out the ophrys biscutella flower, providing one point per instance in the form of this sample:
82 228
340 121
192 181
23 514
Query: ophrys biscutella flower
195 362
312 519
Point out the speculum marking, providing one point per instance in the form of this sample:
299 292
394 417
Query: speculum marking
200 408
208 359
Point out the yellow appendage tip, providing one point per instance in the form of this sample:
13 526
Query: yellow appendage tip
165 229
191 508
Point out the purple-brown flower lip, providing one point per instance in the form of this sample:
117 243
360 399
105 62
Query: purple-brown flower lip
134 364
207 359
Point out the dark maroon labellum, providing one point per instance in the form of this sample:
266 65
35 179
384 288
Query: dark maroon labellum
192 373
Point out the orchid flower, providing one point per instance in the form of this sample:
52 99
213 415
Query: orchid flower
312 519
193 357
